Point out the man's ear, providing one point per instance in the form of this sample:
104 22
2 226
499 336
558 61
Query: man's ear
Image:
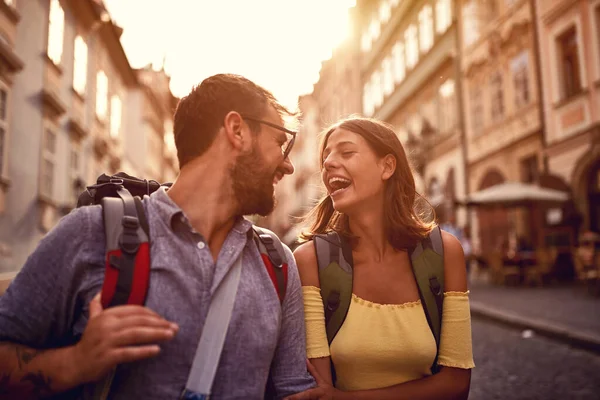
233 126
388 164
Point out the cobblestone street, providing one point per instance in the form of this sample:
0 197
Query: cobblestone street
509 366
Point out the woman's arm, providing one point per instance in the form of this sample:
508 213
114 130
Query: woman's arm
450 383
306 260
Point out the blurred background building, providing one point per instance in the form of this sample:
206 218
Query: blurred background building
481 93
71 108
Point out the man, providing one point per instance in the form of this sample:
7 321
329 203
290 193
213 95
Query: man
57 339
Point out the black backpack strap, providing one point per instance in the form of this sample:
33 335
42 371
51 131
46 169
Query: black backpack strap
127 272
274 258
427 260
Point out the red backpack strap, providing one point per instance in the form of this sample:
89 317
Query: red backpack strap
127 264
274 258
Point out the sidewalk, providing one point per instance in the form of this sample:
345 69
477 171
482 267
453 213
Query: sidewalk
565 312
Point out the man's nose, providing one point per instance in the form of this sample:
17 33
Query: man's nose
288 167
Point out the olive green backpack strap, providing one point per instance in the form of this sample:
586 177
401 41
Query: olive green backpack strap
334 257
427 261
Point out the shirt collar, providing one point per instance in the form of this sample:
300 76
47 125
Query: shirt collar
173 215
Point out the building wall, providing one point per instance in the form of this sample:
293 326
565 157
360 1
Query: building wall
41 98
572 117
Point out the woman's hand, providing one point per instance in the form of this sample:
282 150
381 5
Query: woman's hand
323 391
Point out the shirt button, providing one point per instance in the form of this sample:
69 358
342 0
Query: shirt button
201 245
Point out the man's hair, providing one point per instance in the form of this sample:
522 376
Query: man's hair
201 113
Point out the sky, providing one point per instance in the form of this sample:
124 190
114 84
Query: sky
278 44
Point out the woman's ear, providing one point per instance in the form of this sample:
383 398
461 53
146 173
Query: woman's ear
388 164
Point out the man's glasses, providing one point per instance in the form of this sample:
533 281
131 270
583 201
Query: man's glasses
290 135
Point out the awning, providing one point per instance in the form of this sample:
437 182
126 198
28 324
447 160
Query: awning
515 194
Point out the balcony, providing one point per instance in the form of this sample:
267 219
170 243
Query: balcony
10 63
53 105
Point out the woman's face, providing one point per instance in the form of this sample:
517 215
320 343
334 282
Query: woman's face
352 173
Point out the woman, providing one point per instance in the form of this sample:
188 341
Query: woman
385 347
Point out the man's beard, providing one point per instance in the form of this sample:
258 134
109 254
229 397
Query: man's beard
253 184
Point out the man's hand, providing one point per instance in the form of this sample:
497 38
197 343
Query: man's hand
117 335
323 391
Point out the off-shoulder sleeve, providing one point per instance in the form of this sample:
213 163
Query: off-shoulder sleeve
314 316
456 349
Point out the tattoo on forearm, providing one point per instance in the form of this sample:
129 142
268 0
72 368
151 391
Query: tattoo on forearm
40 382
25 356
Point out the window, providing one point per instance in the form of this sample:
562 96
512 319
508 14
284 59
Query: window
80 65
76 185
115 116
520 72
429 113
101 95
56 27
412 50
399 65
447 106
3 125
476 102
384 11
497 97
169 137
529 169
368 106
570 77
48 163
425 28
443 15
365 42
374 29
377 88
388 78
470 23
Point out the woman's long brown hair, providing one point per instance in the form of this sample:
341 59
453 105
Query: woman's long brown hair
405 226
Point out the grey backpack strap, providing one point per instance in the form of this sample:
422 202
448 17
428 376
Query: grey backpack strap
210 346
334 259
427 261
269 245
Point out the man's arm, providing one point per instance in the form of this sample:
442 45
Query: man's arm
34 315
289 372
113 336
30 373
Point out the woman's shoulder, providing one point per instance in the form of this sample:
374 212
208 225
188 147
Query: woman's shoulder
455 271
306 259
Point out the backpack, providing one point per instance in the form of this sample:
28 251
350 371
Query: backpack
334 259
127 262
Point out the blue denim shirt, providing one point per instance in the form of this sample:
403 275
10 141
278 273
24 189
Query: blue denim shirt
46 305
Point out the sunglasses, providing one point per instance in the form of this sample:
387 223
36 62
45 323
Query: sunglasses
290 134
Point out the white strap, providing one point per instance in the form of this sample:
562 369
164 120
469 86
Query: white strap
211 342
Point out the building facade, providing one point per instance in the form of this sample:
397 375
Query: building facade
569 34
66 100
504 131
411 79
335 96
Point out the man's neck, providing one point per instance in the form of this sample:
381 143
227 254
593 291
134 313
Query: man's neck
207 200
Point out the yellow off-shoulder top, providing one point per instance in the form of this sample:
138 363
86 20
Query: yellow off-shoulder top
381 345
